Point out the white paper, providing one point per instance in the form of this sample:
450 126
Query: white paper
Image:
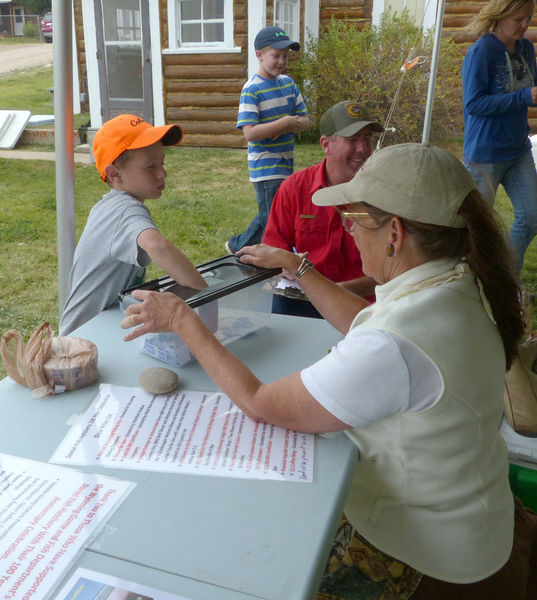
90 585
285 283
48 515
185 432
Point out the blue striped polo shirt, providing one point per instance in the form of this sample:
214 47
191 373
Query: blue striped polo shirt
262 101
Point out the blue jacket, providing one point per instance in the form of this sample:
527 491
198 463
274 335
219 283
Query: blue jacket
495 100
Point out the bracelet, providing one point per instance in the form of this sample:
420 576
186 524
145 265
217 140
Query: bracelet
304 267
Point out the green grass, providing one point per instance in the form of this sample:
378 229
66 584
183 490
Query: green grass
14 41
27 90
30 90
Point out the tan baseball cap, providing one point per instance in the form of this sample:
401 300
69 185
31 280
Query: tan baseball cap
346 118
418 182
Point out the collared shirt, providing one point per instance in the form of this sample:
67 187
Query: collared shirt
296 223
263 101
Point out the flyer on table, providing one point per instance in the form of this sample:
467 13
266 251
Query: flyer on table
184 432
91 585
48 515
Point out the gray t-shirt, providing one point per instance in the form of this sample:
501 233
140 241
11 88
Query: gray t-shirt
107 258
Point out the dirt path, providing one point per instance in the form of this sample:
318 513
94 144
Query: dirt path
20 57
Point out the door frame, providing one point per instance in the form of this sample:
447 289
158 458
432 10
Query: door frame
92 67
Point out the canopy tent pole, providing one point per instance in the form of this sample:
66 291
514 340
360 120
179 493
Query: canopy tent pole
434 68
64 142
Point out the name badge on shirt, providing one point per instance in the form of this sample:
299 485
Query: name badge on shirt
308 216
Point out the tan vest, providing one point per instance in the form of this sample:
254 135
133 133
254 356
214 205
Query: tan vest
431 488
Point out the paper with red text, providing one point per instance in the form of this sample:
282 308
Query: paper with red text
184 432
48 515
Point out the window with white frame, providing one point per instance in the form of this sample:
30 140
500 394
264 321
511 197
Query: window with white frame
200 23
128 25
287 16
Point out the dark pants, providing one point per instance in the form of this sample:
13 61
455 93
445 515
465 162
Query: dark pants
264 195
516 580
289 306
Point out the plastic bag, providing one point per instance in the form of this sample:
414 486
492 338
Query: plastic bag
48 364
520 398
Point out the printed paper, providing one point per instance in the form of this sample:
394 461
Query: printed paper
185 432
48 514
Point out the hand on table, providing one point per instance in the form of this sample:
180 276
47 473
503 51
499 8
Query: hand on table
156 313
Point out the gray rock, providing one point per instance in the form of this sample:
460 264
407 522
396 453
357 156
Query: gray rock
158 380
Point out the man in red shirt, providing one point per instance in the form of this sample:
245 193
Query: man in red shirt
295 223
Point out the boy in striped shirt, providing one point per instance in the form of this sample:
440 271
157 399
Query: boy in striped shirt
271 112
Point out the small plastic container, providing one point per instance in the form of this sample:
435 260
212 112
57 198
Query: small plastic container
237 302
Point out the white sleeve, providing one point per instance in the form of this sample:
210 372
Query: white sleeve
370 375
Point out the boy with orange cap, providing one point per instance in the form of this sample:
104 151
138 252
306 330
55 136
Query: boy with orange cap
120 238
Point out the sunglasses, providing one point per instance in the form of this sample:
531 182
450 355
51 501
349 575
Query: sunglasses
349 222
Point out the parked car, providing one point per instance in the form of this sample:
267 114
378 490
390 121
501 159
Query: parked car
46 27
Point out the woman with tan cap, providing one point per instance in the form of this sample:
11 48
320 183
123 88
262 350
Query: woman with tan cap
416 383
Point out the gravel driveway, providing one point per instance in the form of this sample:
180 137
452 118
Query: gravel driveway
19 57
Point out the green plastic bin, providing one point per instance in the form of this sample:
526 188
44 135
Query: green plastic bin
524 484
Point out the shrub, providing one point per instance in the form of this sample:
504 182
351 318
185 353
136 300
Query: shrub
30 30
345 63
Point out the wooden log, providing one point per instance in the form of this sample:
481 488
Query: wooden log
202 100
455 7
241 27
343 3
344 13
456 21
208 127
180 60
359 24
214 141
206 72
202 114
240 12
458 36
229 86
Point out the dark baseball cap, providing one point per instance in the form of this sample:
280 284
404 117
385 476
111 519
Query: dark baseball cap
346 118
275 37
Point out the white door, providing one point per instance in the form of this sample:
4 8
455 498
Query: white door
124 58
18 16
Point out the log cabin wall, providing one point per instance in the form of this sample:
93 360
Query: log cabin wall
356 11
458 13
201 91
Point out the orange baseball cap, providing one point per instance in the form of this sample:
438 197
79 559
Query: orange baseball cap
129 132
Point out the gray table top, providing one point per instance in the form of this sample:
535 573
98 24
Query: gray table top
203 537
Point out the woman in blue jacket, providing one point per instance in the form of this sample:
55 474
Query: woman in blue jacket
499 76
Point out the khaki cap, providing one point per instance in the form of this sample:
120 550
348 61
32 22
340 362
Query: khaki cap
345 119
418 182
